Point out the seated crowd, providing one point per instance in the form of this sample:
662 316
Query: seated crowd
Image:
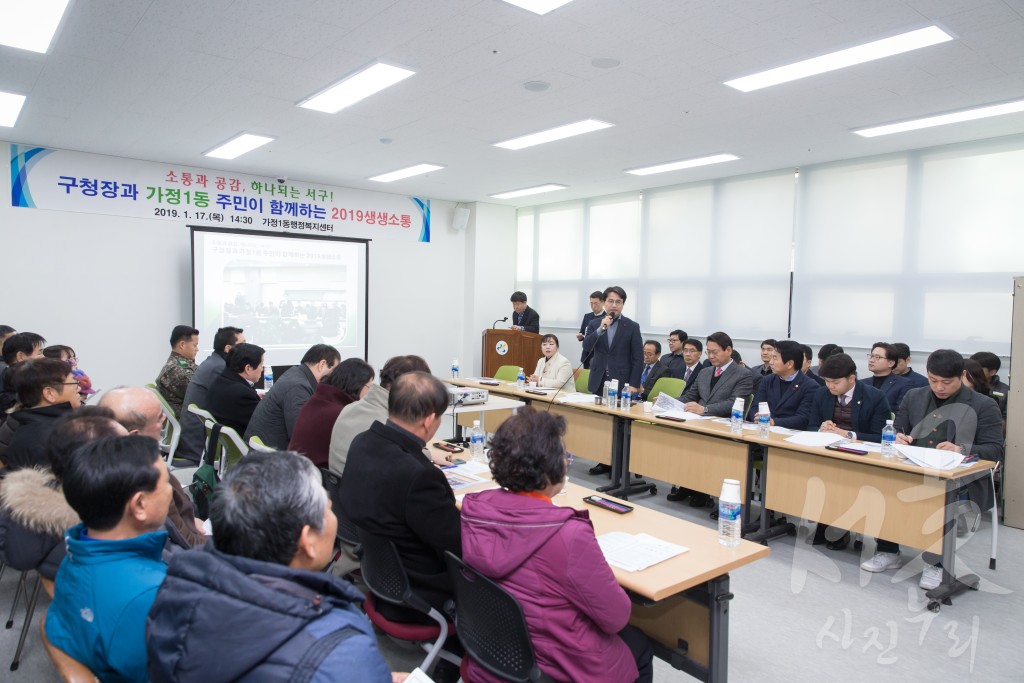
145 590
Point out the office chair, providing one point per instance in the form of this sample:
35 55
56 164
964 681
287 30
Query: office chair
257 444
668 385
507 373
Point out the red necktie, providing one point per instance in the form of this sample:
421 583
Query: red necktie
718 372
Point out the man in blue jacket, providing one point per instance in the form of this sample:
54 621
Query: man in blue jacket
120 489
259 605
787 391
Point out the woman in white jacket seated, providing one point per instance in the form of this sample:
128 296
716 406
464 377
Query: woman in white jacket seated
553 370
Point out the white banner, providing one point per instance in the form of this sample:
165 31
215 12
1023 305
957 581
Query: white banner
43 178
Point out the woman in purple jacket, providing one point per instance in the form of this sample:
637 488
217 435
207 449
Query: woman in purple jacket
548 558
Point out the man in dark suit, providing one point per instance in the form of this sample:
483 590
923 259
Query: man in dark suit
671 364
882 363
903 369
615 345
596 309
788 391
990 365
391 488
652 358
765 368
523 317
718 387
947 416
851 409
231 398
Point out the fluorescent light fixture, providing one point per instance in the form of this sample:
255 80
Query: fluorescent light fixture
30 25
238 145
550 187
10 107
688 163
406 172
566 131
539 6
887 47
355 87
943 119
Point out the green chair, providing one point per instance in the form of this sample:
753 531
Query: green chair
669 385
507 373
171 433
257 444
582 380
230 448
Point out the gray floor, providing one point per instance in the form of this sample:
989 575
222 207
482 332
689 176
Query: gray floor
802 614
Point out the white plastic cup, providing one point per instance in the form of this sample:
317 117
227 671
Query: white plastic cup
648 407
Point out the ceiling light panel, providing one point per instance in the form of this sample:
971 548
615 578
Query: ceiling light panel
238 145
10 107
887 47
552 134
409 172
679 165
30 24
356 87
944 119
539 6
538 189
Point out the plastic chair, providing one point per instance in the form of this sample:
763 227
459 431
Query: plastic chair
230 447
68 668
386 578
668 385
30 610
491 625
582 380
256 444
171 435
995 516
507 373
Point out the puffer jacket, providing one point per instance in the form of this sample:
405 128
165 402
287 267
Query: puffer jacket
33 518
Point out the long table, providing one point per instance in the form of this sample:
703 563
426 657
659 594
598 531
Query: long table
682 604
889 499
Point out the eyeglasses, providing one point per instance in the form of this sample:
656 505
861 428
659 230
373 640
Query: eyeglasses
614 302
875 356
75 383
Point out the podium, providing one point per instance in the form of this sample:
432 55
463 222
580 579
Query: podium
509 347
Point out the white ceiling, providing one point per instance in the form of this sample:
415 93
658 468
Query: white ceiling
166 81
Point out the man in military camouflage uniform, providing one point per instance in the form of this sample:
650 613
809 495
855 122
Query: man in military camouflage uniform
180 366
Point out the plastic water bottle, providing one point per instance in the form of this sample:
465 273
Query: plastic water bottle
521 380
268 375
888 440
626 397
736 421
764 420
606 396
476 442
455 368
613 394
730 509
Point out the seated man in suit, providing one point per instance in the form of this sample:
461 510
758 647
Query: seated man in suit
193 434
596 309
652 356
948 416
765 368
788 391
523 317
854 410
231 398
903 368
882 363
671 365
999 390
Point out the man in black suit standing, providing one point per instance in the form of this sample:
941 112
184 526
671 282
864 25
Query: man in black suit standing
523 317
596 309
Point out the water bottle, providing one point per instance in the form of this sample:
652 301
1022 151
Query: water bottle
606 396
764 420
268 375
626 397
521 380
613 394
888 440
736 421
476 442
455 368
730 509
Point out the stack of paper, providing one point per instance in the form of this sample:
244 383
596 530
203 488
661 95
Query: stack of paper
820 439
636 552
577 397
681 415
930 457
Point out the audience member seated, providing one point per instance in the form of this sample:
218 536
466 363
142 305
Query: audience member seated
881 363
17 348
139 411
998 389
547 556
974 377
6 331
193 433
46 391
673 364
372 408
68 355
33 512
824 352
231 398
765 368
652 356
274 418
903 368
553 369
788 391
348 382
120 488
808 357
258 606
174 377
948 416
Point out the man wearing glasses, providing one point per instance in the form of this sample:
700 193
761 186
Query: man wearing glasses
673 364
46 391
882 364
614 345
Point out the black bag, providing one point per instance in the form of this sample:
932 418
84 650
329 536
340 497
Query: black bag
205 479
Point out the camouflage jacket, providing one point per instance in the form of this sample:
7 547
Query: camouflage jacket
174 378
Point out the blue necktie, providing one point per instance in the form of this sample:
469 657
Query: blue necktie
643 377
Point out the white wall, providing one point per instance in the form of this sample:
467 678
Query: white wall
113 287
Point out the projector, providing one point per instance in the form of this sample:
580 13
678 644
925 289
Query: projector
466 397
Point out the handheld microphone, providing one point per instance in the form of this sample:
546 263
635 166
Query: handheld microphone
500 320
601 329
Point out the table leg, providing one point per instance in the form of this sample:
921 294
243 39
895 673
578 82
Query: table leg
951 586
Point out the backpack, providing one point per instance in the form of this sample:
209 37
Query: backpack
205 479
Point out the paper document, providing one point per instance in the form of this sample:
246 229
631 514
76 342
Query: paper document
460 481
472 467
546 390
636 552
782 430
820 439
417 676
931 457
577 397
681 414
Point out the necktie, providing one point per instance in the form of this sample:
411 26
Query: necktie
718 372
686 377
643 377
843 400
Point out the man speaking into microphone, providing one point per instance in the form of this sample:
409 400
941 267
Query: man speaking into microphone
614 345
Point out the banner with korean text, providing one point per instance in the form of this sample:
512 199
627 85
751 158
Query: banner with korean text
61 180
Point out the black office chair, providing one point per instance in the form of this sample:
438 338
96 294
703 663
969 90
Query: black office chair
348 533
491 625
385 576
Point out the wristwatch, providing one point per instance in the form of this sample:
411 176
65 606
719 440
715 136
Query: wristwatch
850 435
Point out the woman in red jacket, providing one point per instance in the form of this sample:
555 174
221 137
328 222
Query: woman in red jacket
347 383
548 558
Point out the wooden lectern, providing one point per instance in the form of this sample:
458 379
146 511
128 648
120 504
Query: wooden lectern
520 348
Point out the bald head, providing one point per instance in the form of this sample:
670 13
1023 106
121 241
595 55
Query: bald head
137 409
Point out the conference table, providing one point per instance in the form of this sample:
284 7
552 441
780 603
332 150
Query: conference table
682 603
891 499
